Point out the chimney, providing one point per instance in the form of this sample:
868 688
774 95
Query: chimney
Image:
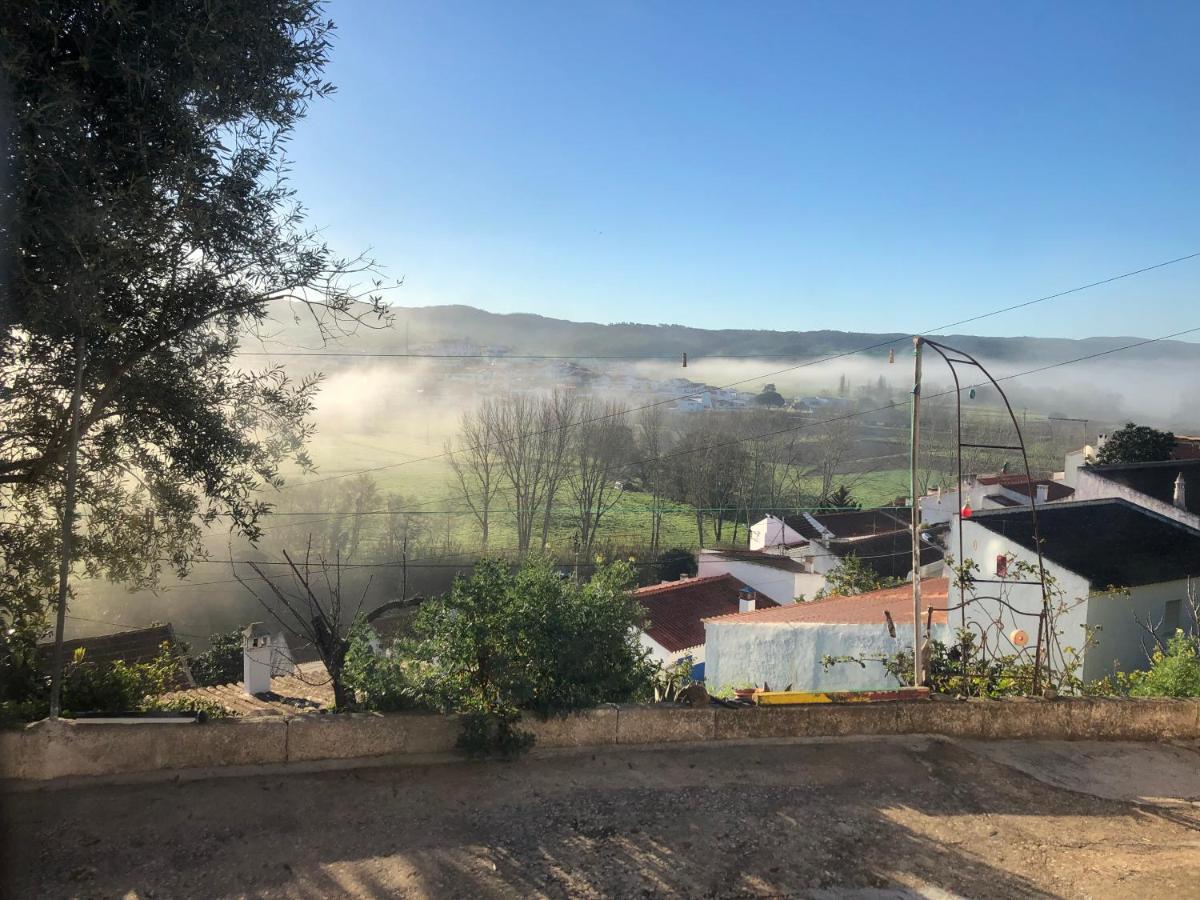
1180 498
1043 493
257 655
746 600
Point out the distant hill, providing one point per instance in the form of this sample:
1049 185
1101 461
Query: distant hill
419 328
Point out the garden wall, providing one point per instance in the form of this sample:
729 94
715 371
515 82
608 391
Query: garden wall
65 750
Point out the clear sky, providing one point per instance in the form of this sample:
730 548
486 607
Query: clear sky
862 166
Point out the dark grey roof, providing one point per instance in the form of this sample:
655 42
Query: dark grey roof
890 554
1157 479
852 523
1111 543
760 558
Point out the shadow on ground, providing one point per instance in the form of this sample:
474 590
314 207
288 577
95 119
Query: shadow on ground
841 818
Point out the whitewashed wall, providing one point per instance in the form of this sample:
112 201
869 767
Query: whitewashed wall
791 653
667 657
771 531
983 546
778 584
1119 639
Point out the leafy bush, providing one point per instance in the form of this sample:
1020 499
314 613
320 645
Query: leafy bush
89 686
673 564
386 681
502 642
1136 443
853 576
221 663
1174 672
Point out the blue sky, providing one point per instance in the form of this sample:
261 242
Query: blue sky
859 166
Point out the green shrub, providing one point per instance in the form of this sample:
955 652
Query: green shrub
1173 673
89 686
383 681
502 642
221 663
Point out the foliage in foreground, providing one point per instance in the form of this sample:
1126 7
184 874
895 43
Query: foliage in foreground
96 687
1174 672
502 642
221 663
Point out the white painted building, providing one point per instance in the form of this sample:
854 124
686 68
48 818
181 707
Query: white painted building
778 576
1112 561
772 531
786 647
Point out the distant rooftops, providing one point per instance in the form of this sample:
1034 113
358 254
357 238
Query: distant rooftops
676 610
852 523
1111 543
862 609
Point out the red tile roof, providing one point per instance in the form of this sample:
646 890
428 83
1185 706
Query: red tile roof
676 611
863 609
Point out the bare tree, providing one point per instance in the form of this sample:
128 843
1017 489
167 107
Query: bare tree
601 450
476 464
532 438
312 606
828 449
559 415
652 439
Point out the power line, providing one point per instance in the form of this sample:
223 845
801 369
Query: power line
697 356
876 346
897 404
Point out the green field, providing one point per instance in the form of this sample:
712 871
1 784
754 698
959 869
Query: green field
412 466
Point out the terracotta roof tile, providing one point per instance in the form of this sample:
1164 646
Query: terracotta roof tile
676 611
862 609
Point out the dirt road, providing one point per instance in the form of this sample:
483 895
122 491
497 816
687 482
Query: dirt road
855 818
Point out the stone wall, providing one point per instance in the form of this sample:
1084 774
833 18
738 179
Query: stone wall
66 750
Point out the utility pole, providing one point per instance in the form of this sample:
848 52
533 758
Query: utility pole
68 531
916 512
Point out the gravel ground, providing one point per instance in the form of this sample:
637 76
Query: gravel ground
882 818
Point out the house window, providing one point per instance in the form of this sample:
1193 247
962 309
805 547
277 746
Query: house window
1170 620
1001 566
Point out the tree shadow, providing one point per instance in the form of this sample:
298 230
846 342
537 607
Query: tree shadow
870 818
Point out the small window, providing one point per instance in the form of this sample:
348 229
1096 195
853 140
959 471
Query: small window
1170 620
1001 566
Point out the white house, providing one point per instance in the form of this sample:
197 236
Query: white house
778 576
998 491
879 537
772 531
786 646
1111 560
676 610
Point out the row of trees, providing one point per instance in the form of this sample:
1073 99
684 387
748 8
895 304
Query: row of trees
522 457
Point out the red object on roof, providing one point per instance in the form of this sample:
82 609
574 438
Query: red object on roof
862 609
676 611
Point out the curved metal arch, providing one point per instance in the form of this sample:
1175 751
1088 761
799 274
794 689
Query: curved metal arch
955 357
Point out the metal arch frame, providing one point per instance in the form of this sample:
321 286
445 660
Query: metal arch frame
955 357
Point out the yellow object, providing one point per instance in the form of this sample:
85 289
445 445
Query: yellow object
779 698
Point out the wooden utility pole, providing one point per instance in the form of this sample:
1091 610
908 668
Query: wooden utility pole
68 531
916 514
